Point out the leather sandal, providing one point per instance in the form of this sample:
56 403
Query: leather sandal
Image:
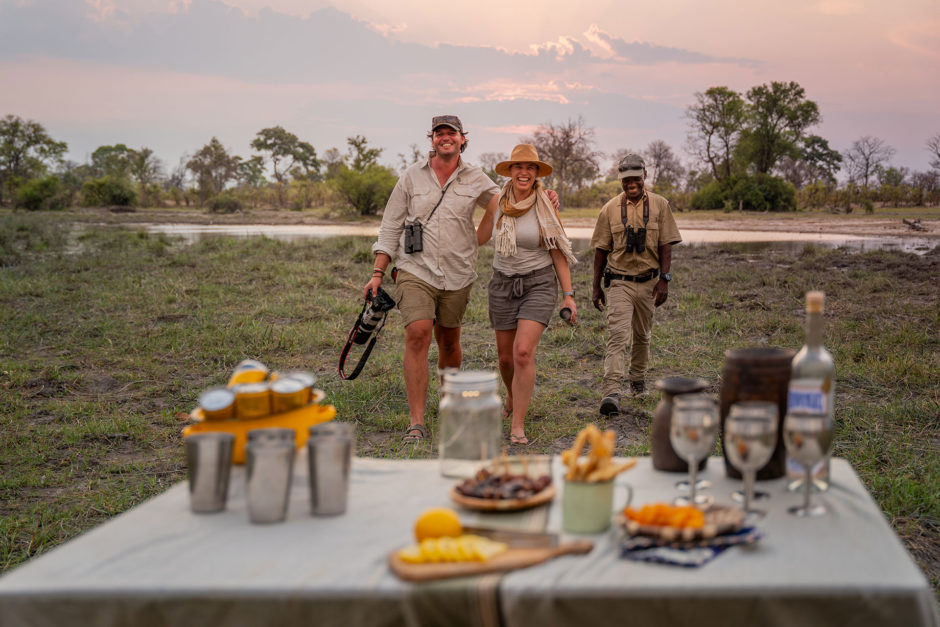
415 433
518 439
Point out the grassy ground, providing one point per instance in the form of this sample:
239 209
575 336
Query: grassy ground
107 339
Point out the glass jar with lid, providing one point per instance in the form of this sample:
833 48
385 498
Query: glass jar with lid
471 422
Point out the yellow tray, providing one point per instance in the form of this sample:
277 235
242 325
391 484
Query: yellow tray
300 420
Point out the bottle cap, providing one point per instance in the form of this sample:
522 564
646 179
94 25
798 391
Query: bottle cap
815 301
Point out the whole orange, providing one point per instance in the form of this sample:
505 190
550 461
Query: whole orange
436 523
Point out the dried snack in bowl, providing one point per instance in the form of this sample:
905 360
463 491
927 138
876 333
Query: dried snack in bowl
685 523
598 464
487 484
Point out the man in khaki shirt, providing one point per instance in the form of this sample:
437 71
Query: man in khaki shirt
632 243
433 284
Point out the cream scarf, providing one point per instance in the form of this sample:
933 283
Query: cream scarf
551 232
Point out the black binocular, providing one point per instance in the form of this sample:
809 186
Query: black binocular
414 238
636 239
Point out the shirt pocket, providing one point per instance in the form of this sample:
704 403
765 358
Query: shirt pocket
423 199
619 236
652 237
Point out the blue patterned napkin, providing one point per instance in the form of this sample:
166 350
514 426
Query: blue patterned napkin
690 554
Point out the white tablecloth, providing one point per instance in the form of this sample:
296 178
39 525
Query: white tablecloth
159 564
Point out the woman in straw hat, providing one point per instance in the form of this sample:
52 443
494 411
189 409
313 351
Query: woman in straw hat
532 251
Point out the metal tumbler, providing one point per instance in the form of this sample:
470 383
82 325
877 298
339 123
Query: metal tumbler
270 468
329 455
209 457
272 434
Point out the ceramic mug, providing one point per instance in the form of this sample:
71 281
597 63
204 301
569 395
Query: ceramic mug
588 507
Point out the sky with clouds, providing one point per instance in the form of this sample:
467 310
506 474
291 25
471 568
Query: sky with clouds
171 74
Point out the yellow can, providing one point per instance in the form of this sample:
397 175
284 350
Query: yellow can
308 379
252 400
248 371
288 394
217 404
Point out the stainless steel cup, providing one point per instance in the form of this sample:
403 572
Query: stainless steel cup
272 434
209 457
270 468
329 455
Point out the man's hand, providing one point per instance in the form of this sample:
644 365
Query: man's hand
598 298
371 288
553 196
660 292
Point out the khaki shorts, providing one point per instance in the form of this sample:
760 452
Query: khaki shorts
418 300
530 296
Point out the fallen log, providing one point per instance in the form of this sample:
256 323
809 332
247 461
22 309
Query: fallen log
914 225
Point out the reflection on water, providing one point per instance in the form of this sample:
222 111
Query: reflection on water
752 241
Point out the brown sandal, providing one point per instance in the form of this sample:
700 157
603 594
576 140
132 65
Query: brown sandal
518 439
415 433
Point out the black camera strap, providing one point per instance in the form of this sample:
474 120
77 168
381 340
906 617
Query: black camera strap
439 201
349 344
623 210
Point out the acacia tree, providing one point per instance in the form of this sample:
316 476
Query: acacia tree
777 117
569 148
717 119
26 151
287 154
488 161
933 147
213 168
113 161
866 155
363 183
662 164
816 163
147 169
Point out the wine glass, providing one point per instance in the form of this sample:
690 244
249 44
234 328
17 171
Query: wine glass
807 438
687 400
692 433
749 440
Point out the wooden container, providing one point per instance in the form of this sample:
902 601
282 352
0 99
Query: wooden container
757 374
664 456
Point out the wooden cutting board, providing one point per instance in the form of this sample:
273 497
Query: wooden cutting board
510 560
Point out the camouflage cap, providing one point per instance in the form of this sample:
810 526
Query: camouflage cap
447 120
632 164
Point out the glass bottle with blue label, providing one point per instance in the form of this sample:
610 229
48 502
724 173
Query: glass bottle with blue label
812 388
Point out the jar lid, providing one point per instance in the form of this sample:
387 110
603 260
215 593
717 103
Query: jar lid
251 388
288 386
464 380
215 399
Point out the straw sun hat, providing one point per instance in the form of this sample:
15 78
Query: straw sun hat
524 153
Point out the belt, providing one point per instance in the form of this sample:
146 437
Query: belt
643 278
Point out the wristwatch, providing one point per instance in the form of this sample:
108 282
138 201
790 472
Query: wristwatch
666 276
571 293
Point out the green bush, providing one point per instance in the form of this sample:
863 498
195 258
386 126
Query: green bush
226 202
43 194
750 192
712 196
367 190
108 191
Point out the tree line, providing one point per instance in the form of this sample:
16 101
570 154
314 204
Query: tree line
753 151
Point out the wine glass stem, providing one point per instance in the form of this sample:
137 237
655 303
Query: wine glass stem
748 489
807 487
693 469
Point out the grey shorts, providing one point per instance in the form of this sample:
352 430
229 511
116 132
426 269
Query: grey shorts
529 296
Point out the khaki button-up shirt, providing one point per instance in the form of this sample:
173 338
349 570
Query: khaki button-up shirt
450 241
610 234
